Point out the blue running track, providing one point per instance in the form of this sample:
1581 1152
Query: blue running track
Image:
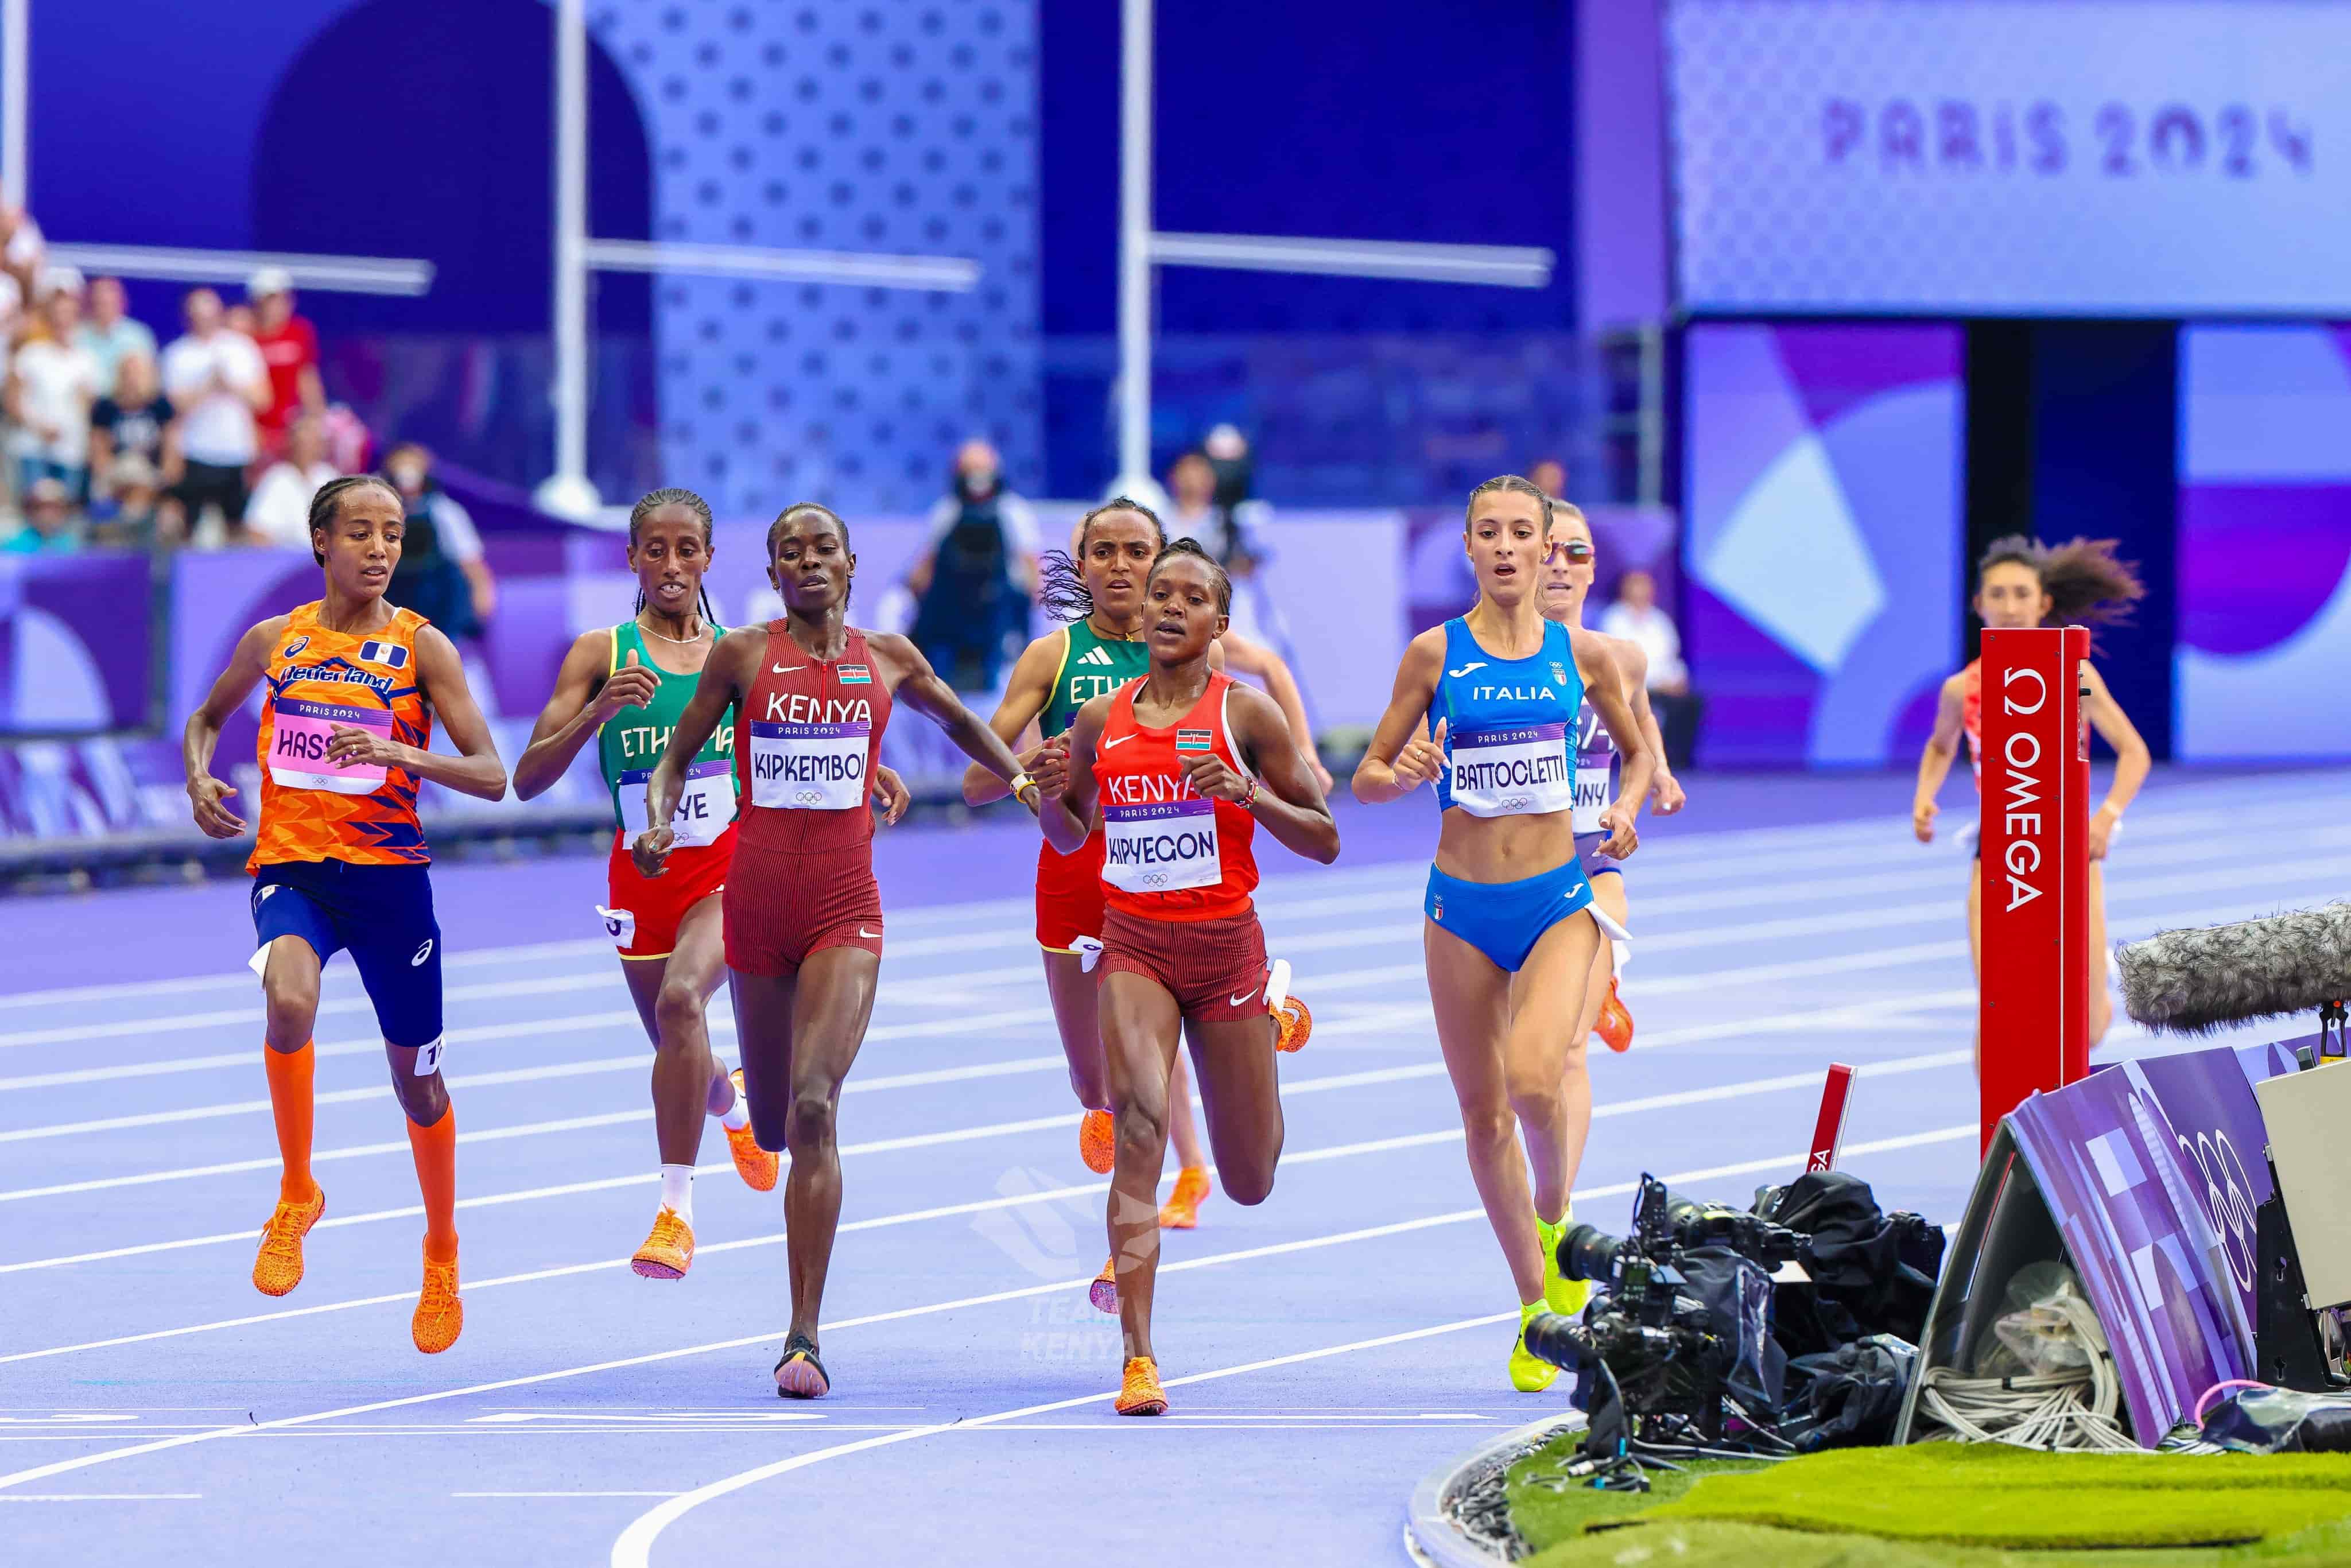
1323 1350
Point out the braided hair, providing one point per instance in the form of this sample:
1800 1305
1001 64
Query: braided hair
327 502
2086 584
1061 578
1192 548
654 501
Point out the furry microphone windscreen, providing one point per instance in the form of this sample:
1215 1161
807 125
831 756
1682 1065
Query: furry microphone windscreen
2193 982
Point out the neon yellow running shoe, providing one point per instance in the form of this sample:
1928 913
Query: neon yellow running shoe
1565 1296
1530 1373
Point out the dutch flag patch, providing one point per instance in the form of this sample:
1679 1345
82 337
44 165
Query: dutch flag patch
391 655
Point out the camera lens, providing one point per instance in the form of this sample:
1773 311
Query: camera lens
1561 1341
1588 1253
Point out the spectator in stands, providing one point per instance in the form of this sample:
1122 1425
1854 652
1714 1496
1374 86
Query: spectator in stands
1637 617
441 575
974 582
279 512
1549 475
289 347
217 381
136 515
136 421
52 525
1210 502
22 251
111 335
52 382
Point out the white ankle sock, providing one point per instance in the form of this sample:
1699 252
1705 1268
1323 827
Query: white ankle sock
737 1115
678 1190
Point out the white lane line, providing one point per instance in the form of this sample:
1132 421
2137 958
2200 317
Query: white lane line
133 1496
1788 1162
634 1546
564 1494
1308 1157
1676 856
1827 1017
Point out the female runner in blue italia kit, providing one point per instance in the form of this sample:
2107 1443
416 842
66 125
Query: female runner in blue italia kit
1508 962
1567 574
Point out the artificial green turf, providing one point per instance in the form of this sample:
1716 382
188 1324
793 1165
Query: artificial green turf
1947 1506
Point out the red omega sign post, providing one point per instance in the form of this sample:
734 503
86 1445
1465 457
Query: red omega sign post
2034 996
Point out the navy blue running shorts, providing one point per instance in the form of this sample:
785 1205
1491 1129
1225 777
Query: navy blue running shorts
381 913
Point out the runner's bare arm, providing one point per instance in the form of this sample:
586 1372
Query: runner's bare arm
1285 799
245 668
584 702
725 679
2131 759
1934 760
1398 762
1026 693
916 684
1606 692
1065 808
1257 659
476 770
1633 666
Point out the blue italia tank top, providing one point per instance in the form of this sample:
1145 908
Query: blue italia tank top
1510 726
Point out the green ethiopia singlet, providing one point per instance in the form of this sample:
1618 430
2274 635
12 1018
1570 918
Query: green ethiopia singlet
1092 666
632 742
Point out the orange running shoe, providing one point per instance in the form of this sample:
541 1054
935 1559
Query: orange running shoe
1292 1023
1103 1292
1182 1210
1098 1142
755 1165
1139 1393
278 1266
440 1311
668 1251
1614 1025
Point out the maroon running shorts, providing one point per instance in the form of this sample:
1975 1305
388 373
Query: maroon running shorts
1214 968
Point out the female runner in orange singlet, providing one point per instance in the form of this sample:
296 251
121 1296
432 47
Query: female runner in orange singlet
801 912
1184 764
2019 583
339 861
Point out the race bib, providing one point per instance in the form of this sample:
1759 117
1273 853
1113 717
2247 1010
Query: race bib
299 732
1595 771
1515 770
620 925
704 806
1161 848
809 766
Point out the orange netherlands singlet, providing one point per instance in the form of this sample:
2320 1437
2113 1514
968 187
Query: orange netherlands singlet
1169 853
314 809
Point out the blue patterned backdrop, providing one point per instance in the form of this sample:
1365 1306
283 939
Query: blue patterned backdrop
892 127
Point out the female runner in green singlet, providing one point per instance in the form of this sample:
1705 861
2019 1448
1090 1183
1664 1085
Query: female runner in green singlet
625 686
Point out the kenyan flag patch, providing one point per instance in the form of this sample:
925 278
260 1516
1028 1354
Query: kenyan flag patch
853 675
1194 739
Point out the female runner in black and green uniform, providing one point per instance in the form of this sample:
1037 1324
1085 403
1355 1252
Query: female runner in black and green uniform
626 686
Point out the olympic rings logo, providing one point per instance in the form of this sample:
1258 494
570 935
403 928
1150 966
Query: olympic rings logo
1155 879
1517 802
2227 1198
809 798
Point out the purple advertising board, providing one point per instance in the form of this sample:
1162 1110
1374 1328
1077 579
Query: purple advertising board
2152 1170
75 642
1821 494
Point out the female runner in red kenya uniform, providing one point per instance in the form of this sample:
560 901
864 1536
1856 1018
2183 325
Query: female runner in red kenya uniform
1184 765
801 910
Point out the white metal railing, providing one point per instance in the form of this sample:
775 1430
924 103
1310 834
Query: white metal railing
329 273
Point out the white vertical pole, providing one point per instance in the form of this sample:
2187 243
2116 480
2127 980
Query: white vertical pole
567 490
1134 245
16 87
